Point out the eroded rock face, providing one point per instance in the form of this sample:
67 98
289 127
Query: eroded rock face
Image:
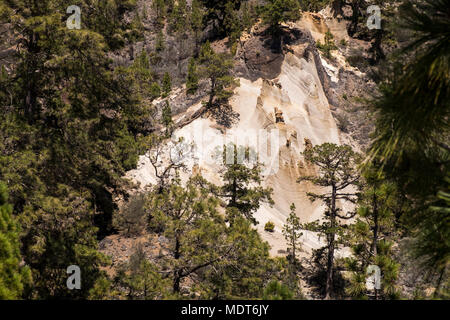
256 58
348 81
287 101
298 94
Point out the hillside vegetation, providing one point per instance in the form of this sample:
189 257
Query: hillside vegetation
94 120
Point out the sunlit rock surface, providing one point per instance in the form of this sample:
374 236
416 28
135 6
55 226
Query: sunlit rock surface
294 109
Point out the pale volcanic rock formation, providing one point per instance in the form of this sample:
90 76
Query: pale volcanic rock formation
283 105
297 92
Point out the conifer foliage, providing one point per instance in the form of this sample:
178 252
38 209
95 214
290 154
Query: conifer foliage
72 123
337 172
13 277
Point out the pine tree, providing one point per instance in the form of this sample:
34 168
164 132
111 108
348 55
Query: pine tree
192 77
292 233
245 271
217 13
160 41
188 215
276 12
141 279
167 118
132 217
337 170
419 87
170 5
242 184
249 15
220 261
196 19
431 245
317 5
372 235
72 109
277 291
155 91
69 239
160 9
232 24
217 67
178 17
166 85
142 74
13 277
328 44
412 129
107 19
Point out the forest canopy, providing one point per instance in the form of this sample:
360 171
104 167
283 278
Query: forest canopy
82 107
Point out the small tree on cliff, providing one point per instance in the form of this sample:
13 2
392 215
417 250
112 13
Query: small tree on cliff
242 184
292 232
275 12
196 19
371 237
166 85
192 77
337 171
220 12
220 260
217 67
328 44
191 223
167 118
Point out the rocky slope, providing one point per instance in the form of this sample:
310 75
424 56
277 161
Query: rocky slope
291 95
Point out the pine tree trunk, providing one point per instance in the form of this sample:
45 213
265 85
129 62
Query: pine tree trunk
176 282
234 193
353 26
329 283
378 53
30 108
438 285
331 245
336 8
376 226
212 93
375 231
177 273
293 251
